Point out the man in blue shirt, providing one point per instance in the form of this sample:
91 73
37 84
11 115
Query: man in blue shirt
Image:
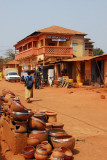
28 91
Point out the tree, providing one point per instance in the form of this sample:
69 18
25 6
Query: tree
97 51
10 55
1 61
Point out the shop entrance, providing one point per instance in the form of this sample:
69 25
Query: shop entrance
97 71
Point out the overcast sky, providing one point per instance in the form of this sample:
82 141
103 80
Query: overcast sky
19 18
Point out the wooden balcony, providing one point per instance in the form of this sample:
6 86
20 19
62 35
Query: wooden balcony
47 50
56 51
26 54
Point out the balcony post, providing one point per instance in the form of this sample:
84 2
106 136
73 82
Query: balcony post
57 43
43 42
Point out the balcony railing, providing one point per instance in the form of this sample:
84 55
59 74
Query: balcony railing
56 51
47 50
26 53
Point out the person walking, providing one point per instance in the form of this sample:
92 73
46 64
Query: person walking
29 87
37 79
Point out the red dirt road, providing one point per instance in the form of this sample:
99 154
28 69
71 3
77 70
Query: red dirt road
82 111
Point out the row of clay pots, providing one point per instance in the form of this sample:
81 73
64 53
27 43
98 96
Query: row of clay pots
46 116
43 151
57 138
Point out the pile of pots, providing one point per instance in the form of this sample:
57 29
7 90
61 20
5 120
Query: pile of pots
46 137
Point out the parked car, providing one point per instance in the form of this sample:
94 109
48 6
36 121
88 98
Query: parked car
12 76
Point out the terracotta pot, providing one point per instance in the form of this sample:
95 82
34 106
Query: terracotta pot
5 107
57 154
20 116
13 99
33 141
57 125
51 117
41 153
17 107
48 126
67 141
41 135
52 133
68 155
5 91
8 96
41 116
35 123
47 146
28 152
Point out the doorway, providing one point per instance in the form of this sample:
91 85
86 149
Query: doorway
97 71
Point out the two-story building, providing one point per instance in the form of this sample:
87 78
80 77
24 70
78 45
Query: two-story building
49 45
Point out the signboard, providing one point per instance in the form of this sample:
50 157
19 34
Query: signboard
58 38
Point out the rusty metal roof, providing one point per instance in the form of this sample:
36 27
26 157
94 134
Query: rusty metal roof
84 58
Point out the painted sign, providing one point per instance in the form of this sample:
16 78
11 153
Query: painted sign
58 37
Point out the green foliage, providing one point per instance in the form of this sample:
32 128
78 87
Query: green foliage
97 51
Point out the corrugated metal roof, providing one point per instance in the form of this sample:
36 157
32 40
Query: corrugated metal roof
84 58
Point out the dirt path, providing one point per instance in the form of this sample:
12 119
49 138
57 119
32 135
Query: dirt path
82 111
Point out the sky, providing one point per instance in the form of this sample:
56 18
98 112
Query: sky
19 18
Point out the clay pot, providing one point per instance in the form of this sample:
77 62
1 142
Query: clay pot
41 135
57 154
41 116
41 153
33 141
51 117
67 141
57 125
5 107
28 152
20 116
13 99
17 107
8 96
68 155
48 126
53 133
47 146
35 123
5 91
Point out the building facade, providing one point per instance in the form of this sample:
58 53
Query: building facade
54 41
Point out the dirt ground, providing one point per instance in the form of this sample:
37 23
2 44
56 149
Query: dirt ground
82 111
